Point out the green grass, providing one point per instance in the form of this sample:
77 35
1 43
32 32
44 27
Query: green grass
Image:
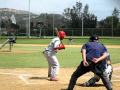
23 56
106 41
32 57
75 41
115 55
33 41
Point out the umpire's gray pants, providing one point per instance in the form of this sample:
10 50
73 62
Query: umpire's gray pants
81 69
53 64
106 80
96 78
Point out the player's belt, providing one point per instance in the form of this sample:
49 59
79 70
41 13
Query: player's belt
108 64
45 51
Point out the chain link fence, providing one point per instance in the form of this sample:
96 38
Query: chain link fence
90 31
43 27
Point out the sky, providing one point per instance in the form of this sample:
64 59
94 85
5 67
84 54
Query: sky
101 8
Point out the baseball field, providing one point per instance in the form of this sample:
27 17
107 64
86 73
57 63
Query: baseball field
25 68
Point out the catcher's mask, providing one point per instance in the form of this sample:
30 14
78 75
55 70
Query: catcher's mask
94 38
61 34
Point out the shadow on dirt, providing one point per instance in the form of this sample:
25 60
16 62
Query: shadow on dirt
41 78
96 85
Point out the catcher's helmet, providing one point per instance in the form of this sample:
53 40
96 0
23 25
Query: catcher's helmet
61 34
94 37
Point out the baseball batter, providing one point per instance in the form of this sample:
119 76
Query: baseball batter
50 54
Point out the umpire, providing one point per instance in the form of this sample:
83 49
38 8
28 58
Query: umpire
94 56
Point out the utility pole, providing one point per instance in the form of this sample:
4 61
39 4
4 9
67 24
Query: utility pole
53 24
29 22
112 26
82 25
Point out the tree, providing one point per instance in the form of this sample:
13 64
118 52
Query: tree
86 10
115 12
78 8
90 20
110 21
75 16
115 18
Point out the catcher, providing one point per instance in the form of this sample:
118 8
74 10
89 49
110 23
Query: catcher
50 54
96 78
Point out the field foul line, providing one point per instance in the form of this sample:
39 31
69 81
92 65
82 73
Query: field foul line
25 80
117 68
116 76
14 74
115 80
21 77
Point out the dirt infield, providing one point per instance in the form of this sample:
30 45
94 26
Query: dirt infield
36 79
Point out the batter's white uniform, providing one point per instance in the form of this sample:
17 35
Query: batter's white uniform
50 55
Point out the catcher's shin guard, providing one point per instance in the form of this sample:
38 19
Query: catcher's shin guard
92 81
109 71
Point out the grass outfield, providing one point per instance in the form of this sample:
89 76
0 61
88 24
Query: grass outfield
27 56
106 41
75 41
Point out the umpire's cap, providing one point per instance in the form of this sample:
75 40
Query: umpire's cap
94 38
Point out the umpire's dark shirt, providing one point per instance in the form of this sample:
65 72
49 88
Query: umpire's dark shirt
94 50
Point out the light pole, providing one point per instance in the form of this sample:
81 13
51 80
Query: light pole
112 25
53 24
82 25
29 22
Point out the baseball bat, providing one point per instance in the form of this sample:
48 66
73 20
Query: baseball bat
57 33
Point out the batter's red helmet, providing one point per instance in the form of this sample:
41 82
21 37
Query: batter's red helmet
61 34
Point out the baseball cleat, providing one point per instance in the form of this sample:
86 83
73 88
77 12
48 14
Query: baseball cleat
86 84
53 79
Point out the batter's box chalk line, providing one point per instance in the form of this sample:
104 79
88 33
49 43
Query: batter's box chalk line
20 76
